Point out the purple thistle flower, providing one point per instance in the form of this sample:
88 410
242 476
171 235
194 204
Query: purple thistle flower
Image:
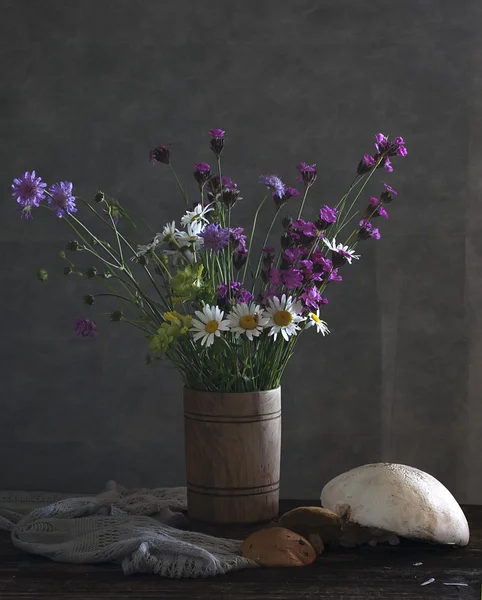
217 141
160 154
230 194
215 237
368 231
306 265
216 133
390 190
237 240
381 143
62 199
334 275
305 227
85 328
202 172
376 209
267 295
400 146
387 164
274 276
311 298
222 290
319 260
327 217
273 182
290 192
292 278
292 254
244 296
308 173
28 190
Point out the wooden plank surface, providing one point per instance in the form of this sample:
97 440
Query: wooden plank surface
383 572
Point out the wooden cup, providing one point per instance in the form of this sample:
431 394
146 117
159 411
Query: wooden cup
233 451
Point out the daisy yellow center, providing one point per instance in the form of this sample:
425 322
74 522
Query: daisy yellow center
211 326
247 322
283 318
315 318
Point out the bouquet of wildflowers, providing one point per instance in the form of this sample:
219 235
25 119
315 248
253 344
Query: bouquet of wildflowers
226 316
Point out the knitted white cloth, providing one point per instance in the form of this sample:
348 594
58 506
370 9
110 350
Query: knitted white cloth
140 528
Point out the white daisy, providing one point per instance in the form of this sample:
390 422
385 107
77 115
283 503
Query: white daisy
189 237
167 233
209 324
247 319
347 253
142 250
314 320
198 215
283 316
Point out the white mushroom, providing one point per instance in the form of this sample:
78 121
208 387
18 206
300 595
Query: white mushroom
396 499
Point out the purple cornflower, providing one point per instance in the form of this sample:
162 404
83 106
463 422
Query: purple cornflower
85 328
217 141
202 172
160 154
61 198
28 190
376 209
292 278
327 217
308 173
273 182
215 237
311 298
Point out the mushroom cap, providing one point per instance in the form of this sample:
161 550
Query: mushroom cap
399 499
307 520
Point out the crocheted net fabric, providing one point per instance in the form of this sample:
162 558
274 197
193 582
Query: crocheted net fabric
144 530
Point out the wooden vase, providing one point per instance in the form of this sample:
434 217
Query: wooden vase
233 451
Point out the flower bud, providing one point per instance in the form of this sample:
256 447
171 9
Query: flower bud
116 315
42 275
91 272
89 299
99 197
73 245
68 270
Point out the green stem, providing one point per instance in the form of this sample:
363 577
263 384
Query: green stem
184 195
252 235
303 201
264 245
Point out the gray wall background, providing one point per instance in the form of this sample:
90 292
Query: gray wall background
88 87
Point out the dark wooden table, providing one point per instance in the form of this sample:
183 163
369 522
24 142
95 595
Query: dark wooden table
382 572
